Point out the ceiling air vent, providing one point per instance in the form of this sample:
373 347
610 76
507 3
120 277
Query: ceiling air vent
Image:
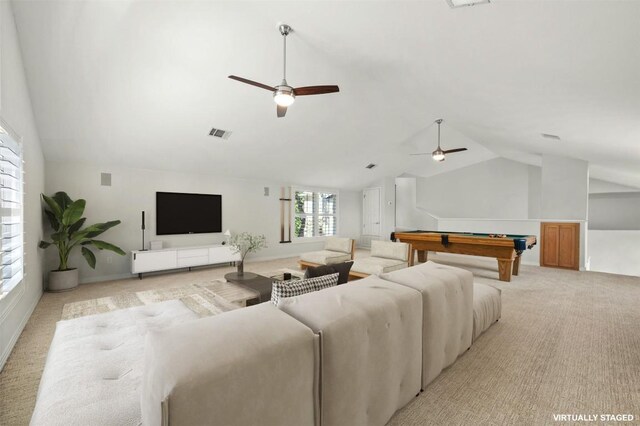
219 133
462 3
549 136
370 166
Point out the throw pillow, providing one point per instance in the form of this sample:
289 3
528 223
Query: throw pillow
283 289
341 268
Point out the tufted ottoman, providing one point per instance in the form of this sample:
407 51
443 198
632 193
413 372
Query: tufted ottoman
94 367
487 308
447 297
370 348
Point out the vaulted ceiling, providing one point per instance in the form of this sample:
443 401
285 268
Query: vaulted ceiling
141 83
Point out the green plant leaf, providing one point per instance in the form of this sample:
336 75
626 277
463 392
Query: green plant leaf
103 245
99 228
62 199
59 236
73 212
76 226
55 223
44 244
89 256
54 206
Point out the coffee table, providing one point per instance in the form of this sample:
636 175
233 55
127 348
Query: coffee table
259 283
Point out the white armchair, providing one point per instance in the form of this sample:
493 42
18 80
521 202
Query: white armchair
336 250
386 256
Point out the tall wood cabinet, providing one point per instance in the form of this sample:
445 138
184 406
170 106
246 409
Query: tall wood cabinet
560 245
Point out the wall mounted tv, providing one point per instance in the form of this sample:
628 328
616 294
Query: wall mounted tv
178 213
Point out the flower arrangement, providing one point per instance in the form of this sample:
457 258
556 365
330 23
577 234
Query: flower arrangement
245 243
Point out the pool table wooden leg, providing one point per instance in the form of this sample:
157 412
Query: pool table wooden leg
516 265
505 266
422 256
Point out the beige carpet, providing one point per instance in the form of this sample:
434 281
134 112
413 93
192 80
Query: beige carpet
568 342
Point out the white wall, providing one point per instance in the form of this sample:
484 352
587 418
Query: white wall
597 186
15 109
408 215
565 188
496 189
244 208
619 210
616 252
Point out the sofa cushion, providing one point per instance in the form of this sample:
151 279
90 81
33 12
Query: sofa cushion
283 289
95 365
370 348
325 257
341 268
447 295
487 308
390 250
377 265
343 245
252 366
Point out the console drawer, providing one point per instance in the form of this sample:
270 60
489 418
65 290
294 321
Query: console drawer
193 261
199 252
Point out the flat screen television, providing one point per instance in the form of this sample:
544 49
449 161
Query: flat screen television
179 213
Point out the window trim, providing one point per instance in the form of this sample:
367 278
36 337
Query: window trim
298 240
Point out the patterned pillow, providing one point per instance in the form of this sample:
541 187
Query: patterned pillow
283 289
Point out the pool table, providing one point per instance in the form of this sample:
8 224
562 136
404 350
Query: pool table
507 249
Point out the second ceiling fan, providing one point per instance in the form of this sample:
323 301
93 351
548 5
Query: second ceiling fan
283 94
439 153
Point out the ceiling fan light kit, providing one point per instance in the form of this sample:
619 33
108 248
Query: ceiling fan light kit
439 154
285 95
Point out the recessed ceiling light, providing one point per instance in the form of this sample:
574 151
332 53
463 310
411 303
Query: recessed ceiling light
550 136
461 3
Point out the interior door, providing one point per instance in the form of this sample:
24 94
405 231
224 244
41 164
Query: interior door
560 246
371 212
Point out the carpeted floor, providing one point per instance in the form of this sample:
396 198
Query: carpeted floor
568 343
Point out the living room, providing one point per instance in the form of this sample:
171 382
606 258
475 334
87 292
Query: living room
474 169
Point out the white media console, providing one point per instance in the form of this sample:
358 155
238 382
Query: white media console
180 257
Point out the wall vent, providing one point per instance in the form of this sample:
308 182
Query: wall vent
219 133
370 166
550 136
105 179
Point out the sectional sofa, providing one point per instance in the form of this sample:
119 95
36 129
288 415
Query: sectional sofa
352 354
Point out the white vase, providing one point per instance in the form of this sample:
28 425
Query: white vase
63 280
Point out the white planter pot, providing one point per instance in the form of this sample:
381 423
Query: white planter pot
63 280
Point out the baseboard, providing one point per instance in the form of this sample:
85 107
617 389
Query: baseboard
16 335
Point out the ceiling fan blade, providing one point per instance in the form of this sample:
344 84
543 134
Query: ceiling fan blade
281 110
451 151
421 153
253 83
315 90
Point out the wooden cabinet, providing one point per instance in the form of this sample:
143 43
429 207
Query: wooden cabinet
560 245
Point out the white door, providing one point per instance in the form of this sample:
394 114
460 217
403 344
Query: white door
371 211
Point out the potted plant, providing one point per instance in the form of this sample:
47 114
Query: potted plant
65 217
245 243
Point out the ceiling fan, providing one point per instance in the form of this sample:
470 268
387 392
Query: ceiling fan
284 95
438 154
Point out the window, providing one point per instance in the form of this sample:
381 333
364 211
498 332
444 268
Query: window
316 213
11 190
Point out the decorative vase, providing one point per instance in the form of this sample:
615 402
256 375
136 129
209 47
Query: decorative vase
240 266
63 280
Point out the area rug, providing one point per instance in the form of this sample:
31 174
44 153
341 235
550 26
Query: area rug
205 299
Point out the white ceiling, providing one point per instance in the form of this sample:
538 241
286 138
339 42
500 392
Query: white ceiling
140 84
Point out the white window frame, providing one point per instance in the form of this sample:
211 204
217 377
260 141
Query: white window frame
12 290
295 238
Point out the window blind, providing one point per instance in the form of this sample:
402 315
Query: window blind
11 215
